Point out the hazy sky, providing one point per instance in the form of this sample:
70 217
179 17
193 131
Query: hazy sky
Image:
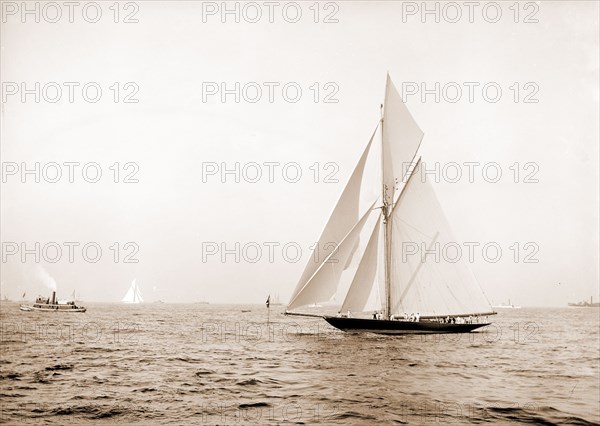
178 131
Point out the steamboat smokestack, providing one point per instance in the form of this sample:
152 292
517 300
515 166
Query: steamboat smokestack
53 301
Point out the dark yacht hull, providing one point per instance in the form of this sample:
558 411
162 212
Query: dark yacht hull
398 327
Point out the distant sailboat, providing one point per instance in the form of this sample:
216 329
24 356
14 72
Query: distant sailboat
441 297
133 294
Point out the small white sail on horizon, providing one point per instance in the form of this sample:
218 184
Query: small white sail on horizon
133 294
408 215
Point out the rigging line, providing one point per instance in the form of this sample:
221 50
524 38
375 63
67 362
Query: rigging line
452 293
445 283
408 172
417 269
416 229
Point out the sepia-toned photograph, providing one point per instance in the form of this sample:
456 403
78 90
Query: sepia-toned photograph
299 212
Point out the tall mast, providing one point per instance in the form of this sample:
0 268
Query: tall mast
387 232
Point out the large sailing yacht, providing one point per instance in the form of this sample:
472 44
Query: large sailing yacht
415 294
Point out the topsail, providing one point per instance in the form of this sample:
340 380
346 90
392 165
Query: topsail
401 138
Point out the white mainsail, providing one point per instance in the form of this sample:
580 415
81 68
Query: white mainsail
133 294
411 219
429 273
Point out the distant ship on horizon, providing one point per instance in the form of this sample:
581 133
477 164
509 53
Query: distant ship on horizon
585 304
52 305
506 306
2 290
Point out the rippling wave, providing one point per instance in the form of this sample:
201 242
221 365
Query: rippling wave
205 364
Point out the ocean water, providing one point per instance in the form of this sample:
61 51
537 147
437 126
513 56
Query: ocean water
224 364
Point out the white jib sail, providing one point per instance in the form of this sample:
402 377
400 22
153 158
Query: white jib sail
342 219
322 285
401 139
430 275
363 280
